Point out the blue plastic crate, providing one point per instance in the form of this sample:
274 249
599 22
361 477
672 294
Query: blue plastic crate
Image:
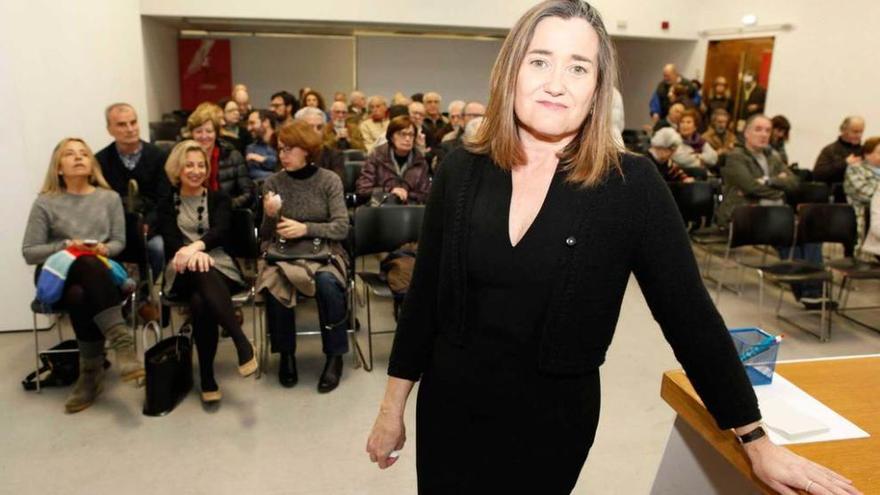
761 366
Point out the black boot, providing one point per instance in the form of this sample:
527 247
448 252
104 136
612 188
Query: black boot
331 374
287 375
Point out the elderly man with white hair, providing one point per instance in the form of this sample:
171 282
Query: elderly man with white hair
329 158
455 110
373 127
834 159
357 106
471 111
343 134
664 143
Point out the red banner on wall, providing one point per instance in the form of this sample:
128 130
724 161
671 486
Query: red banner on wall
205 68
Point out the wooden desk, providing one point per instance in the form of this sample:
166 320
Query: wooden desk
849 386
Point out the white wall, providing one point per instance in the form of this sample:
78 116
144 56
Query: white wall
160 69
642 18
61 63
641 64
268 65
457 69
822 70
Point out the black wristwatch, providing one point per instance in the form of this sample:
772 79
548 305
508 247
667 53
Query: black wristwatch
751 436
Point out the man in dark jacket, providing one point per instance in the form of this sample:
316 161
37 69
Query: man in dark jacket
136 170
832 161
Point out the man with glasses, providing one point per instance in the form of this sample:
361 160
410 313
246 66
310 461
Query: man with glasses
436 125
343 134
284 105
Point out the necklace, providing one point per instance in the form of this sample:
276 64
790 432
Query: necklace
200 211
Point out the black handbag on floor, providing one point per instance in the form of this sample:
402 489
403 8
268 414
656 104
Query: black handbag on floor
169 372
62 367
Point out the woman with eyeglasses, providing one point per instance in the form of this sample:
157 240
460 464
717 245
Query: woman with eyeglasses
396 172
304 207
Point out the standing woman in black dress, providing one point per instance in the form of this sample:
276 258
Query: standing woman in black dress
529 239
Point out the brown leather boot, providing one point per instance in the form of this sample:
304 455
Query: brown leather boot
91 377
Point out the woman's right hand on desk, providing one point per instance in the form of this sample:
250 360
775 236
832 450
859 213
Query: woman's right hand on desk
787 472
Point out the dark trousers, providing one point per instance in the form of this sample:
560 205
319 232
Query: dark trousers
332 314
808 252
88 290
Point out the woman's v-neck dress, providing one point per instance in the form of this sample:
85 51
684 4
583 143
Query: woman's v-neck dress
488 421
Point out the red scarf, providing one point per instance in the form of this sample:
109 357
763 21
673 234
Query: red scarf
214 179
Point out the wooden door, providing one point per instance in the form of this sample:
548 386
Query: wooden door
731 59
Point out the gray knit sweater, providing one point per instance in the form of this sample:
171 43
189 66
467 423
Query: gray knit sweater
312 196
55 218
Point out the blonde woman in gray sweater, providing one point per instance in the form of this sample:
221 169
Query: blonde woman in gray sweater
76 208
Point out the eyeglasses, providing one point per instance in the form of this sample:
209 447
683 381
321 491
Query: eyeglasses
285 149
417 114
405 134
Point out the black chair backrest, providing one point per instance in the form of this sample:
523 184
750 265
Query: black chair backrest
827 223
753 225
135 246
354 155
809 192
695 201
243 242
698 173
352 172
803 174
385 228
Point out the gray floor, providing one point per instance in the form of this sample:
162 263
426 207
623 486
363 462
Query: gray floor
266 439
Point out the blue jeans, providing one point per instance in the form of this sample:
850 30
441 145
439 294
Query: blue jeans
808 252
156 255
332 314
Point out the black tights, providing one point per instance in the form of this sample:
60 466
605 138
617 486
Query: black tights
88 290
210 302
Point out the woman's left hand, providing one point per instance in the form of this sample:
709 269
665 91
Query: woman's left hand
291 229
787 472
200 262
102 249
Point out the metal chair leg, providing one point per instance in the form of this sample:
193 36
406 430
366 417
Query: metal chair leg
37 352
369 333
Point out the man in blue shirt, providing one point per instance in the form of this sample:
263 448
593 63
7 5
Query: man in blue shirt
262 160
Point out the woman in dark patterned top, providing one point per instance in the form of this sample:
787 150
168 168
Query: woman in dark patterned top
194 223
77 209
529 239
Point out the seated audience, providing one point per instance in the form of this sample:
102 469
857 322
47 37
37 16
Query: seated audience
227 167
195 223
435 125
284 105
833 160
357 106
241 97
233 130
304 204
660 104
694 150
779 136
314 99
663 145
262 160
416 112
375 123
871 244
472 111
861 181
76 210
326 158
754 174
455 111
719 135
395 171
672 118
135 169
718 98
343 134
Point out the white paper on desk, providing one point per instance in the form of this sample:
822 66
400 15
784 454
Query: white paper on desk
794 416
